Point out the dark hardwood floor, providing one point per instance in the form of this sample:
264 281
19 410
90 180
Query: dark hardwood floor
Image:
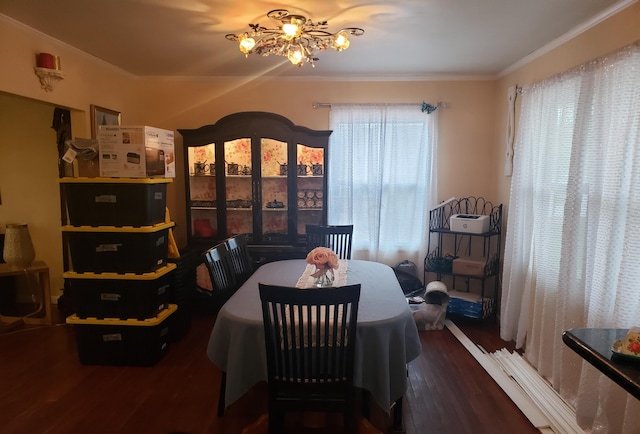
45 389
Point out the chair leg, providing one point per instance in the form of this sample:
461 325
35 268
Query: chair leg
223 387
366 404
276 419
397 416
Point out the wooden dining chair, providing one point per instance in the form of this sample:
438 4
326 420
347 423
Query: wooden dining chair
224 284
240 258
220 268
337 238
310 343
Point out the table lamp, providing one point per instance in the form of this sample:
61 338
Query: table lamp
18 248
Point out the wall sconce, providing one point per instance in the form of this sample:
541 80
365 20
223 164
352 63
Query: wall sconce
48 70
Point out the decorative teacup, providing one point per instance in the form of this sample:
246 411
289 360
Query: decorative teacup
199 168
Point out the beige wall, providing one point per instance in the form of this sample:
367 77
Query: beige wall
467 161
28 182
471 127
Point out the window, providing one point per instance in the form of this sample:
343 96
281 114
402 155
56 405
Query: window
382 178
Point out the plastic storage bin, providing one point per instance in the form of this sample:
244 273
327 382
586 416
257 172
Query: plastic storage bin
128 342
118 249
115 201
469 305
112 295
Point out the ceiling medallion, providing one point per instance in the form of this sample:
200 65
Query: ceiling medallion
296 38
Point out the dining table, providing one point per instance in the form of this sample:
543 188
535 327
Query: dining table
386 341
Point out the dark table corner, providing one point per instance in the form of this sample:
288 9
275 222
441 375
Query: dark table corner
594 345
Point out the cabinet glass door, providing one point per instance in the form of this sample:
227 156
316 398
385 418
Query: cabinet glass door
239 197
275 196
310 182
202 191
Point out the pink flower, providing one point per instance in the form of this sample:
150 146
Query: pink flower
323 257
634 347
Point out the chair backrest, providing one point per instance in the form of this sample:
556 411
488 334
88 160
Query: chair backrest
310 335
240 257
337 238
220 269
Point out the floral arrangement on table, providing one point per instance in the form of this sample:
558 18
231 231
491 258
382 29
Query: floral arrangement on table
325 261
631 343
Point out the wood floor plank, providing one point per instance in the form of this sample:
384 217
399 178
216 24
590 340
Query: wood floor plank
45 388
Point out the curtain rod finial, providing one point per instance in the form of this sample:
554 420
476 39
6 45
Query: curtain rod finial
426 107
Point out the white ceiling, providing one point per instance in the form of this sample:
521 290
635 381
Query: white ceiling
403 38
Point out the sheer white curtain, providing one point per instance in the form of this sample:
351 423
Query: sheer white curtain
572 252
382 178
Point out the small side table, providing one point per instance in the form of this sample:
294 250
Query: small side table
41 272
594 345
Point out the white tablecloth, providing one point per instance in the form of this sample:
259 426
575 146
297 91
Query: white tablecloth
387 337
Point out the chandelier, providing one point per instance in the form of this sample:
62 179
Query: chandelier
296 38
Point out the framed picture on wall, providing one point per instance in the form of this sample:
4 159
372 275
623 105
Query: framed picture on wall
102 116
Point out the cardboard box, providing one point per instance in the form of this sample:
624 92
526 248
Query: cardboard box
136 152
469 266
470 223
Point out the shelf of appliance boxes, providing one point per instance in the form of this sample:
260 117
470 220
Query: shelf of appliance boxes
118 243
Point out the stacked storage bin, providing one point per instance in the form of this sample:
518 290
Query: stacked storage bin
120 279
184 286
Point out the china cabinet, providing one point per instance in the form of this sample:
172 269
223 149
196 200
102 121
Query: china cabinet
257 174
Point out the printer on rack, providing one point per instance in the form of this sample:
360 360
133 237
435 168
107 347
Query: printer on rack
471 223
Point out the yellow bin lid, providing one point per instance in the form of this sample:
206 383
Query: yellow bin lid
87 180
132 229
167 268
147 322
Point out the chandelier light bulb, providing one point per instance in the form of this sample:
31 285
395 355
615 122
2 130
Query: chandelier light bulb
295 56
296 37
292 29
246 44
341 41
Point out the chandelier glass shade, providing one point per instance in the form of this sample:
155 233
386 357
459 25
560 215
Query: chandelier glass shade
297 38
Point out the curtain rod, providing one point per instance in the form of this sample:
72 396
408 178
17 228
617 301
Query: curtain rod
317 105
